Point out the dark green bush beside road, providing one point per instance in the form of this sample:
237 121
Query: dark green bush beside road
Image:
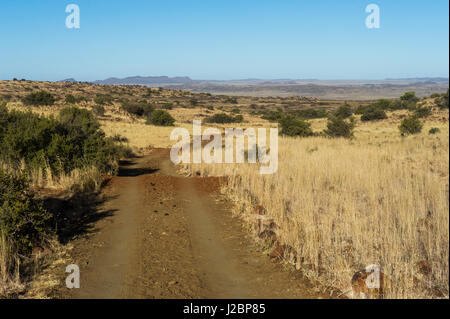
73 140
23 220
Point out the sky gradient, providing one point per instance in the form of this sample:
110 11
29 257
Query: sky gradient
223 40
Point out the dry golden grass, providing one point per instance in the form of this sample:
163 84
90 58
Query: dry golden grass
344 204
341 204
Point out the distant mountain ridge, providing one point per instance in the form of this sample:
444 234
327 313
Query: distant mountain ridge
146 80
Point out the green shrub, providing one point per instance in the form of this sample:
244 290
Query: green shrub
22 217
311 113
39 98
272 116
70 99
411 125
160 118
409 97
434 130
409 100
74 140
231 100
382 104
223 118
236 111
372 113
422 112
442 102
343 111
338 127
102 99
138 108
98 110
292 126
167 106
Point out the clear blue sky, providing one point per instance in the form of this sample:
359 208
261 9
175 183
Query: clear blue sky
223 39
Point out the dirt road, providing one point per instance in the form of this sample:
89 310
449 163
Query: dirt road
168 236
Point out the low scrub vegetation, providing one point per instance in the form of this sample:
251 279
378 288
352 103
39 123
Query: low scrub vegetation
310 113
39 98
344 111
160 118
373 113
56 146
223 118
411 125
338 127
292 126
138 108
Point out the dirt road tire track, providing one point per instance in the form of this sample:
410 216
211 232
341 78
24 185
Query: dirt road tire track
174 237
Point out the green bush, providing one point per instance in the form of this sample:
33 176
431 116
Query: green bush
223 118
7 97
231 100
98 110
22 217
409 97
292 126
272 116
103 99
442 102
138 108
338 127
434 130
343 111
70 99
73 140
167 106
422 112
410 125
160 118
310 113
372 113
382 104
39 98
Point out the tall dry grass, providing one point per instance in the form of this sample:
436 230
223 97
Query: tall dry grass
345 204
80 179
9 268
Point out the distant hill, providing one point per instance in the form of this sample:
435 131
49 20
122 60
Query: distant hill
146 80
429 80
324 89
68 80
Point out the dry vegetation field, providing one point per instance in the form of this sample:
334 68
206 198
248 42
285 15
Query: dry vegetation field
334 206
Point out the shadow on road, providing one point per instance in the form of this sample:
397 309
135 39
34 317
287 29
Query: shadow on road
76 215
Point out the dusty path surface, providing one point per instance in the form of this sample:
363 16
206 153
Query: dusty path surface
169 236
